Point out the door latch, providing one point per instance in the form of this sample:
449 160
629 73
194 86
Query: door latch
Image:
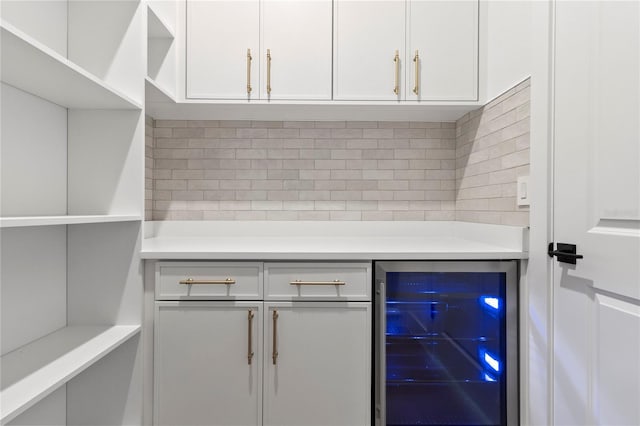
565 253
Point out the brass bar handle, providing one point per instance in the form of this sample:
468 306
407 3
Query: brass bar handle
250 339
396 60
274 354
334 282
268 71
416 61
190 281
249 58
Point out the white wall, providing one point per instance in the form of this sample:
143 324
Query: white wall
508 33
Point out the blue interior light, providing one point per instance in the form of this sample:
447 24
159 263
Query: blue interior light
490 360
490 302
489 378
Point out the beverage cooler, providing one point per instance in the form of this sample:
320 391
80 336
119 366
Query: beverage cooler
446 343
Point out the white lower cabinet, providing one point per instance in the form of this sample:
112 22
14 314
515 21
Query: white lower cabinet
204 374
317 363
284 363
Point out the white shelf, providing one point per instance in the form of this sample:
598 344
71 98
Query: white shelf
22 221
156 93
157 28
36 370
34 68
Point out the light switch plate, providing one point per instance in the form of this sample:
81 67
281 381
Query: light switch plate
522 193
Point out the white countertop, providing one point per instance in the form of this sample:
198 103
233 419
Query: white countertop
266 240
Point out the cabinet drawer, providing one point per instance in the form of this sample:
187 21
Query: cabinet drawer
209 281
318 281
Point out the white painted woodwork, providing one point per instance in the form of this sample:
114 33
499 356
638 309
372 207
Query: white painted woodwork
33 275
365 39
79 284
597 207
45 20
34 155
166 11
247 277
322 374
262 110
104 274
445 34
104 166
23 221
218 36
50 411
202 373
110 392
32 372
31 66
298 34
356 278
157 27
105 38
156 93
161 47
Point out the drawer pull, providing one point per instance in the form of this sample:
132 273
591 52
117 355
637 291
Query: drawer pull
190 281
334 282
250 348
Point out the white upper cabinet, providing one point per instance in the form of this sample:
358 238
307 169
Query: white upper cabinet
297 34
367 37
223 41
268 49
444 36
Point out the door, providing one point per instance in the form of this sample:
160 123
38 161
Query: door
297 35
442 45
597 207
367 35
222 49
208 363
446 343
317 363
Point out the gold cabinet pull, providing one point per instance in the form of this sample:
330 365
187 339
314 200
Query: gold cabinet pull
249 58
250 339
396 60
416 61
334 282
268 71
190 281
274 354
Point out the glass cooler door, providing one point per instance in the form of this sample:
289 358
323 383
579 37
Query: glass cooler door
446 345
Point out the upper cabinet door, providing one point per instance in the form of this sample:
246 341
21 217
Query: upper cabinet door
219 36
445 36
297 35
367 35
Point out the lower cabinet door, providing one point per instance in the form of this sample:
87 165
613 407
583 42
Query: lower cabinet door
208 363
317 363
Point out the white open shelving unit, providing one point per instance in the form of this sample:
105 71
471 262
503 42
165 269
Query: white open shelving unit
39 368
72 191
161 50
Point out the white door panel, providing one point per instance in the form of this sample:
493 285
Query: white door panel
366 36
597 207
298 34
218 35
322 374
202 373
445 34
616 395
